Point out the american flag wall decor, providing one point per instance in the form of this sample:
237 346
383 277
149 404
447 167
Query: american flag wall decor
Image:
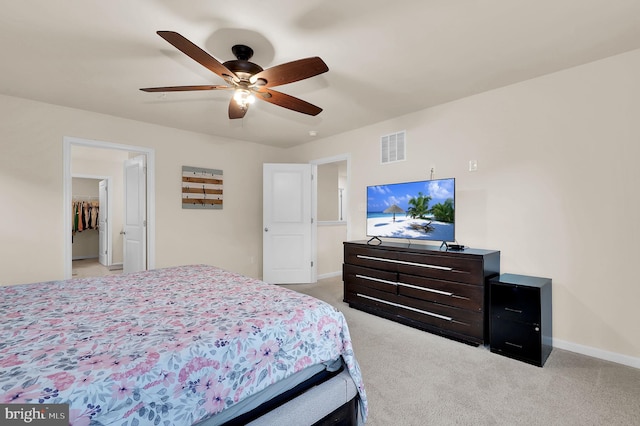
201 188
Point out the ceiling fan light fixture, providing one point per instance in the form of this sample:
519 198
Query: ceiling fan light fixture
246 78
243 97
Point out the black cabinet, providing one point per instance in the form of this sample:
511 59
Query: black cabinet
520 309
422 286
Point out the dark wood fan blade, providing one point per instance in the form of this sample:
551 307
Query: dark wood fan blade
197 54
235 111
290 72
184 88
287 101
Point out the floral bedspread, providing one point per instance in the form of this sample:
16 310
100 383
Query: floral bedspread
169 346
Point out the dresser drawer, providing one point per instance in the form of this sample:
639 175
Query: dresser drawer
458 321
449 268
370 257
445 292
515 303
366 277
516 340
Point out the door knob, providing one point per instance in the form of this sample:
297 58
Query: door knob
122 232
266 229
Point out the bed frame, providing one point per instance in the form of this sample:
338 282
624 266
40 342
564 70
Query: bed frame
333 402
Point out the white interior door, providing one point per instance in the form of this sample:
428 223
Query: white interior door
103 226
288 244
135 206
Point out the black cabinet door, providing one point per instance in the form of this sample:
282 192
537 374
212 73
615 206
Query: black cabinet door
515 303
516 340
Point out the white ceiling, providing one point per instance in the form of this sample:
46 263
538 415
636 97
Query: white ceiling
386 58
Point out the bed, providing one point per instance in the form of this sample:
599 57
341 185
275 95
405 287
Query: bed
186 345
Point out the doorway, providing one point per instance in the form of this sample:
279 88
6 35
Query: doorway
93 148
330 218
332 187
91 206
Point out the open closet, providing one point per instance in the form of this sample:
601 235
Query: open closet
85 219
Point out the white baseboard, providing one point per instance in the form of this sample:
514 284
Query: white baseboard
597 353
115 266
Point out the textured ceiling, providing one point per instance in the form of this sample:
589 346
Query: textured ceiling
385 58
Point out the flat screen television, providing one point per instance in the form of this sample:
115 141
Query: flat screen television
421 210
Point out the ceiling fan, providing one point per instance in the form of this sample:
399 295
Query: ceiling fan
248 80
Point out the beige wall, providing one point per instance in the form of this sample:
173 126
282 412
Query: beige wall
31 191
330 254
327 185
555 188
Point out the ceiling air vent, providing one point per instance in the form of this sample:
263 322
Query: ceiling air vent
392 147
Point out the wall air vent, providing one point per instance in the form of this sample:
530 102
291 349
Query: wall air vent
393 147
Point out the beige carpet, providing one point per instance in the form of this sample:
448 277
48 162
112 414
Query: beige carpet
417 378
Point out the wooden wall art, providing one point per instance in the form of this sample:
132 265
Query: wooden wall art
201 188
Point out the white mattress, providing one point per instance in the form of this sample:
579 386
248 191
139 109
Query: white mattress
312 405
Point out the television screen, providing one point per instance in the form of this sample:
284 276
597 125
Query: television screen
423 210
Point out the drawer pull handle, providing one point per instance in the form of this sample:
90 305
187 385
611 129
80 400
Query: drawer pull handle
406 307
403 262
513 344
445 293
517 311
380 280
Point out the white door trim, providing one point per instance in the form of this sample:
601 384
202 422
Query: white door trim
109 211
105 235
67 144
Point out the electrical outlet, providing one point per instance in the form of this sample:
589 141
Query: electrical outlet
473 165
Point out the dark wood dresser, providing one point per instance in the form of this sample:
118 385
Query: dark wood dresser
440 291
